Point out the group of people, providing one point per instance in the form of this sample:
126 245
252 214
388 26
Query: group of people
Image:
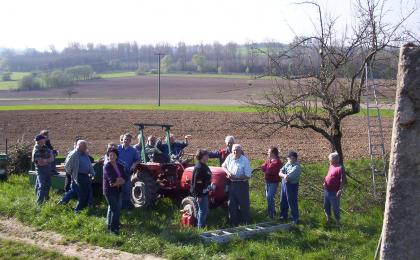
238 170
118 163
120 160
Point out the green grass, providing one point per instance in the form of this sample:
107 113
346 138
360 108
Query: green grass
204 108
18 250
117 74
191 107
13 84
158 231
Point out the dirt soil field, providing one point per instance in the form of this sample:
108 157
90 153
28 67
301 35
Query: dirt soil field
11 229
207 128
145 87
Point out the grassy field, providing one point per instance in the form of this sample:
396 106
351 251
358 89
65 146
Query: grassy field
18 250
118 74
158 231
201 108
16 76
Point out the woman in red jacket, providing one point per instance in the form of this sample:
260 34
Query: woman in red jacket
271 169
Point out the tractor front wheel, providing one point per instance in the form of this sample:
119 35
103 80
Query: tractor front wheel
144 191
190 206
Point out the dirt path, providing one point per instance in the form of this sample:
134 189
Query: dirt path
11 229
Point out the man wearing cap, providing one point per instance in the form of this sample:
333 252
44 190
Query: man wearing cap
79 165
238 171
223 153
45 133
290 173
42 158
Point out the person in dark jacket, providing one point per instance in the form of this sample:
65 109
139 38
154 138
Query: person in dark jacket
201 185
271 169
42 158
45 133
114 177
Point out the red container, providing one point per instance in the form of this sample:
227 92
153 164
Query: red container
187 220
218 177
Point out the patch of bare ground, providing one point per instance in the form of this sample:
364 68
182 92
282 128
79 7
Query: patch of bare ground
11 229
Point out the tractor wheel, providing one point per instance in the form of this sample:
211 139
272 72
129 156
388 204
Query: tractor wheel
144 191
190 205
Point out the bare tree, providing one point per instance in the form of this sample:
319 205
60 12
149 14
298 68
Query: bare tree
326 76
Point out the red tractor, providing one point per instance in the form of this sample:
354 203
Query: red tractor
155 177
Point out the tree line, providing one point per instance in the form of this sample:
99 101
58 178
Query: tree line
56 78
250 58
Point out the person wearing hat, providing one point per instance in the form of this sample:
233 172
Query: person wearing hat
290 174
42 158
45 133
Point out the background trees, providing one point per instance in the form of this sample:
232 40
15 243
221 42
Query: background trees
326 75
208 58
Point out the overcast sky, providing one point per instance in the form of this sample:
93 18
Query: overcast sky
38 24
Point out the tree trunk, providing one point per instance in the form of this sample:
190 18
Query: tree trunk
336 146
401 227
335 140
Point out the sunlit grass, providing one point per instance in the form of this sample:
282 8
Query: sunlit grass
18 250
158 231
187 107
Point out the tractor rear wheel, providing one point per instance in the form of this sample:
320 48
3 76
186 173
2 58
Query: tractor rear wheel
190 205
144 191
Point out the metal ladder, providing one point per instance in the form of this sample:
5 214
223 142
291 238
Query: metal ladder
378 163
243 232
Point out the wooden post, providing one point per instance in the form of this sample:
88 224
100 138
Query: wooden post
401 227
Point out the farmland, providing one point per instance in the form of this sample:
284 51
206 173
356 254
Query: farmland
144 87
208 109
100 127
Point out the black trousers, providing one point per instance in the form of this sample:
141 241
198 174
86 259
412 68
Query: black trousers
239 204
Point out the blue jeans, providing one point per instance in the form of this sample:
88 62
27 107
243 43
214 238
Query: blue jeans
270 193
71 194
114 212
289 199
126 195
203 209
331 200
43 184
84 191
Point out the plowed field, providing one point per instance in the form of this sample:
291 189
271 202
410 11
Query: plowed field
207 128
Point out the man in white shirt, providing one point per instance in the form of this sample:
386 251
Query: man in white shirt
238 170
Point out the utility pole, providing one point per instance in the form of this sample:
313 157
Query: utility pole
159 54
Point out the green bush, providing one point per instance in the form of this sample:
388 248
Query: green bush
6 76
20 156
140 72
58 78
30 82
